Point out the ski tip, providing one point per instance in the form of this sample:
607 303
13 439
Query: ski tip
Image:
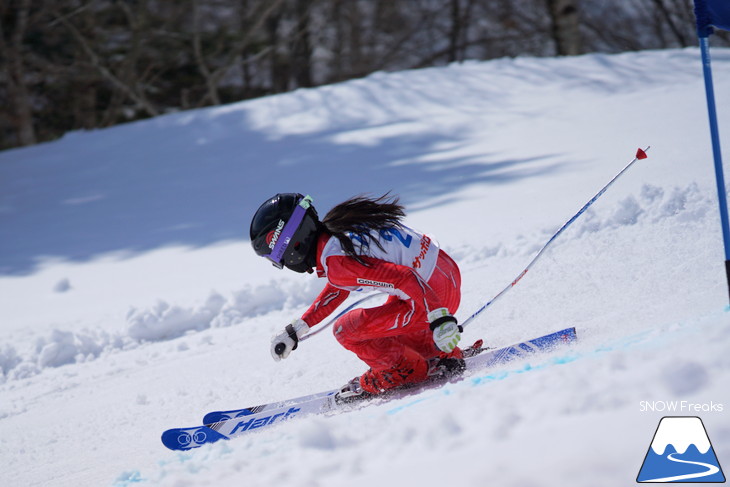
187 438
218 416
641 154
176 439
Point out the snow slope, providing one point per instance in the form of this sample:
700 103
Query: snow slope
130 301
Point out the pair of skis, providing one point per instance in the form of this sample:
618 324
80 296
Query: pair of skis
224 425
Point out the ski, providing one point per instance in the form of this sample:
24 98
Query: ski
217 416
223 425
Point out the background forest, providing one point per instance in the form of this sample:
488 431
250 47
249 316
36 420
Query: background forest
83 64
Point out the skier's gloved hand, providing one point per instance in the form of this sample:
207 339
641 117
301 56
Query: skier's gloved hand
446 332
286 341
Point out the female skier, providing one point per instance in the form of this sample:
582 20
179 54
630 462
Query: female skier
362 244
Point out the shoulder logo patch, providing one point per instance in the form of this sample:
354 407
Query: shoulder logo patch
369 282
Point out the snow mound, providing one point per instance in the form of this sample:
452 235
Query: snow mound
653 204
161 322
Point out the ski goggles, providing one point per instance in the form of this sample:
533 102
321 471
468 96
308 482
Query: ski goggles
282 240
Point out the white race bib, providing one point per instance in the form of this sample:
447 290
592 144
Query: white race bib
400 245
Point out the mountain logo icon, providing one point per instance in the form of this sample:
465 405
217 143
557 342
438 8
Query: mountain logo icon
681 452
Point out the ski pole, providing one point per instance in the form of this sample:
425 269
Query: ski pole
326 325
640 154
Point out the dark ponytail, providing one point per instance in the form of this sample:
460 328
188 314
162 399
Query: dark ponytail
361 215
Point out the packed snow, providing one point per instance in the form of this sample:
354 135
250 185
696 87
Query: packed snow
131 301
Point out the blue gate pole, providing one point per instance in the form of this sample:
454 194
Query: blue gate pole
717 155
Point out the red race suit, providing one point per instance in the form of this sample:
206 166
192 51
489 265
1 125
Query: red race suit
413 270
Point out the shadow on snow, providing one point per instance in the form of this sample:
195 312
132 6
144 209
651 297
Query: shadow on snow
156 183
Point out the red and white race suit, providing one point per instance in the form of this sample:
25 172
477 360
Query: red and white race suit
418 276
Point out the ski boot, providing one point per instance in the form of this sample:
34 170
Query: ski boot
445 367
351 392
475 349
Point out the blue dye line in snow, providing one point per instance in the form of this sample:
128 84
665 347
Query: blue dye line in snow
485 379
527 367
128 478
630 341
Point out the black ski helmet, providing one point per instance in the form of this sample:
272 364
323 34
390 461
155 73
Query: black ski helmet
284 229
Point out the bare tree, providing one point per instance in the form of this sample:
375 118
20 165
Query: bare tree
16 76
75 64
676 17
565 26
210 82
301 45
461 15
131 87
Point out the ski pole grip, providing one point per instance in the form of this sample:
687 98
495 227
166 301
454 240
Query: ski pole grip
279 348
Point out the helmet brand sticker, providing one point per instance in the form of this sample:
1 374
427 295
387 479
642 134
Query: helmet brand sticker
273 235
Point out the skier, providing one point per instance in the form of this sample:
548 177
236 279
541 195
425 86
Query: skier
362 244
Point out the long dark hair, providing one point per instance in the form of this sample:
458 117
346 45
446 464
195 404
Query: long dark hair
361 215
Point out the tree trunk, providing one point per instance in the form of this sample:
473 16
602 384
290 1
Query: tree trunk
565 26
18 94
302 47
357 65
455 32
210 82
338 56
279 70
